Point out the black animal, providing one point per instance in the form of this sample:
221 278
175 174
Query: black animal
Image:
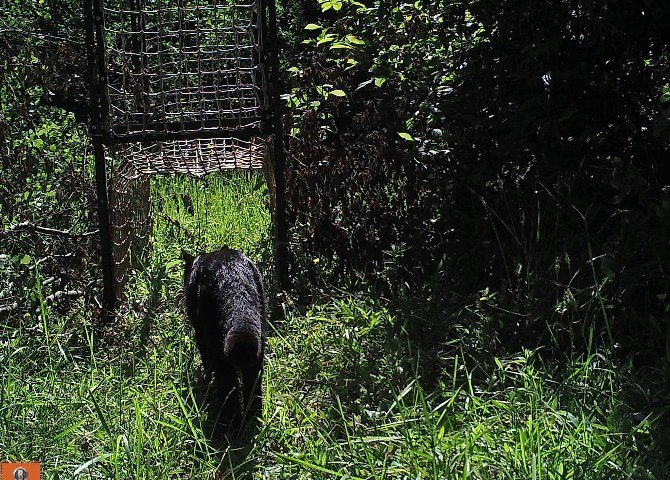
225 302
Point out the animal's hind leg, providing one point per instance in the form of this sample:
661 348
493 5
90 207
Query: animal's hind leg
229 393
203 348
252 380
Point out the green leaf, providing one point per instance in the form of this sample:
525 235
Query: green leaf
406 136
26 259
338 93
172 264
355 40
313 26
665 97
328 38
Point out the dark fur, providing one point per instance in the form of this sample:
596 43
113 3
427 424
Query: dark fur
225 302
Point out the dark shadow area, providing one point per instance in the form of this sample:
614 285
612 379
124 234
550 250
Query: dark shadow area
486 328
234 443
647 409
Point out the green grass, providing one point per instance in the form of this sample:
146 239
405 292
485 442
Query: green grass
205 214
345 394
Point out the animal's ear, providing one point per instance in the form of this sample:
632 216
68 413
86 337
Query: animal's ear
188 259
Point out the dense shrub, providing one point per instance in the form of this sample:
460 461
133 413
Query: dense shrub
517 148
47 201
359 184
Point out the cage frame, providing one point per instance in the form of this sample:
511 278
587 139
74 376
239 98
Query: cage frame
104 137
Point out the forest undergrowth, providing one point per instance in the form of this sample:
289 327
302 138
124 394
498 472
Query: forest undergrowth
349 391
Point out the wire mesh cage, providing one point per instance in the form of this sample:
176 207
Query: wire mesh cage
184 69
177 87
184 65
131 217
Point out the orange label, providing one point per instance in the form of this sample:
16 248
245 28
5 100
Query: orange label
20 471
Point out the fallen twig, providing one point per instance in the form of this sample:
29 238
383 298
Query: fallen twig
48 300
31 227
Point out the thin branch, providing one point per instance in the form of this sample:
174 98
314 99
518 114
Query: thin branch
31 227
9 308
43 36
62 293
47 300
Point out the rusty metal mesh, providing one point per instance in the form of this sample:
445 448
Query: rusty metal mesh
186 69
195 157
183 65
131 217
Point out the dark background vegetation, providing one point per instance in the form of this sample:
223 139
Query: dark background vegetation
518 149
47 196
498 168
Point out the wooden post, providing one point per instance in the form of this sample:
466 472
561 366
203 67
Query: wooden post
94 12
108 291
278 153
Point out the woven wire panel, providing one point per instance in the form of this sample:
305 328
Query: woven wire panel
176 66
184 91
195 157
131 219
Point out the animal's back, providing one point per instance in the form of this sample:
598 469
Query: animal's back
228 294
225 302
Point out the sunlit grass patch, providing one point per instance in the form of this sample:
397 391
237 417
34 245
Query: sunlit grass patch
125 400
343 399
201 215
204 214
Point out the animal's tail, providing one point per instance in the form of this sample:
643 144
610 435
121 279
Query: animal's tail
242 347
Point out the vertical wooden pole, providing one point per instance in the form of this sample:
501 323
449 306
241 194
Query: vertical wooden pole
278 153
108 291
94 12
